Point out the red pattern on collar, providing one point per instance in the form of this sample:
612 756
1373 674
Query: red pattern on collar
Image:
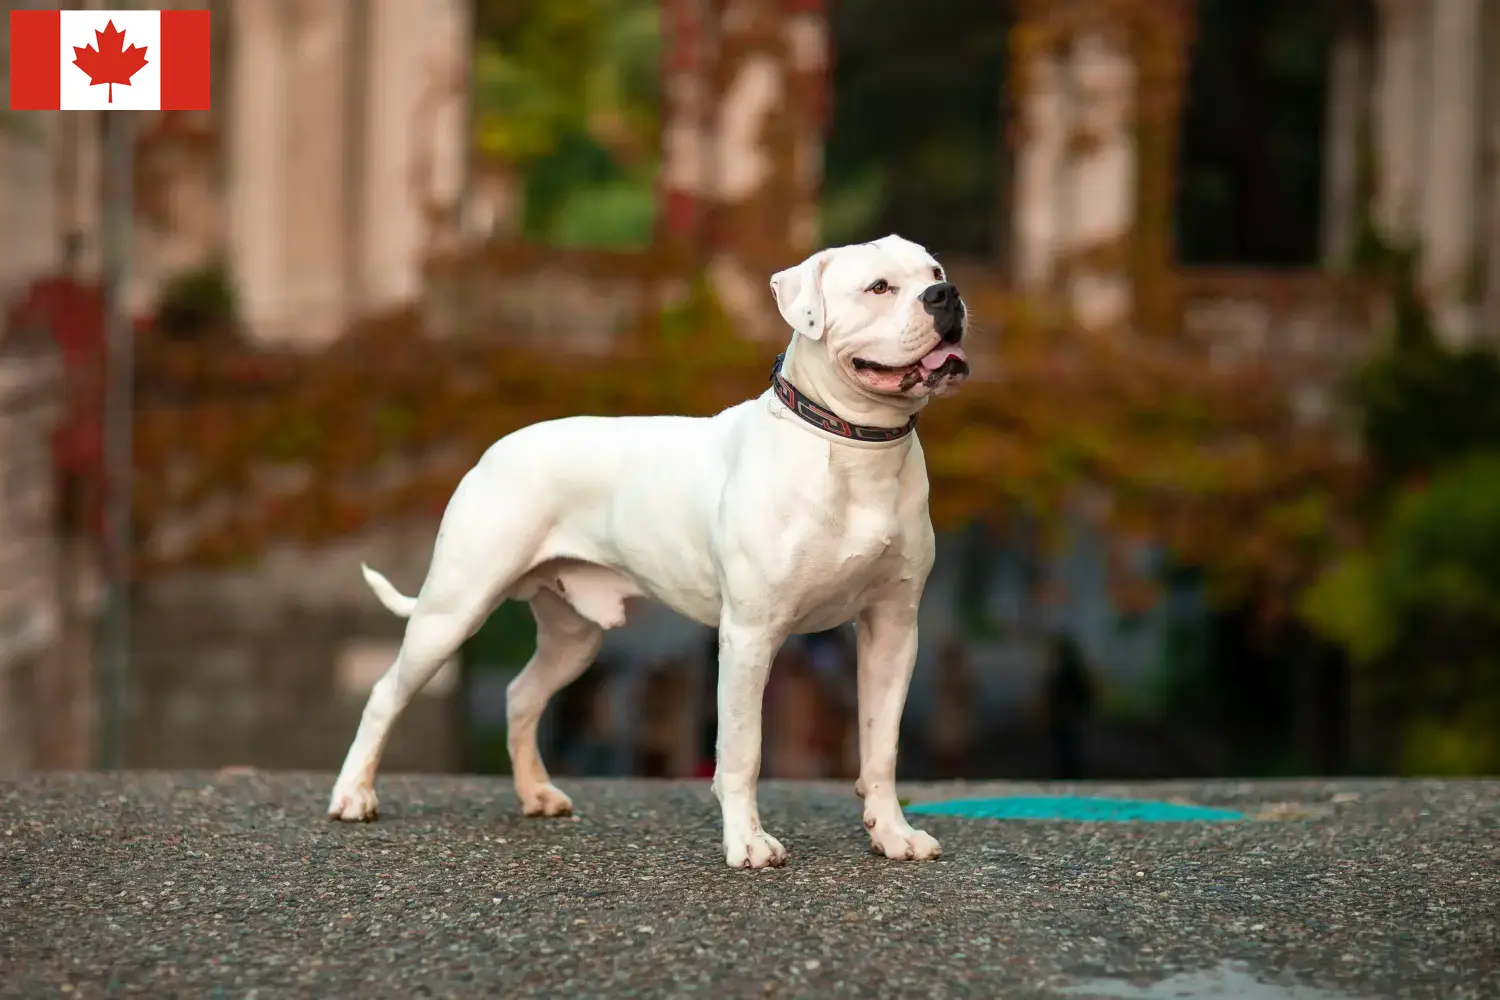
826 420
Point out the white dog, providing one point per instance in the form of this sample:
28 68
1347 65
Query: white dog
791 513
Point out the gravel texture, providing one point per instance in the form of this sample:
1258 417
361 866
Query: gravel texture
208 885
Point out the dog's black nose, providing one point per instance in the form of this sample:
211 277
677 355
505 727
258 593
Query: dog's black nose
946 309
939 295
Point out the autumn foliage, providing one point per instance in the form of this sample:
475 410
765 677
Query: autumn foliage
240 450
1144 428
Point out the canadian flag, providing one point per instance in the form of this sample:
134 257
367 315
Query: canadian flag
108 60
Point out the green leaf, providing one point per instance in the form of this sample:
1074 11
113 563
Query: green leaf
1442 748
1345 606
1440 545
567 96
617 214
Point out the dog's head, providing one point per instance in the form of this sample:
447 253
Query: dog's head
888 319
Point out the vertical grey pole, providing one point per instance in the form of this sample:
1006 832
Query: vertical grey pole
114 634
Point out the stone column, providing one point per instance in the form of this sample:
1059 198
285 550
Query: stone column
356 139
1349 83
416 140
808 56
1101 180
1401 110
1041 164
1077 184
441 122
390 222
1449 228
766 150
257 168
687 44
317 63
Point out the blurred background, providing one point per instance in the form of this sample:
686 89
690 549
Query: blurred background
1223 497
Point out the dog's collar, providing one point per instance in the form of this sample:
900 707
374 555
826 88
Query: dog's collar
826 420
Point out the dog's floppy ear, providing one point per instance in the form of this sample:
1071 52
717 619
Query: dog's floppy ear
799 295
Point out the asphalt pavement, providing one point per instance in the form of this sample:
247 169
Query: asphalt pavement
235 885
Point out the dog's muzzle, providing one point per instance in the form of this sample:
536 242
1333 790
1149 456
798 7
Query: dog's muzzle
946 308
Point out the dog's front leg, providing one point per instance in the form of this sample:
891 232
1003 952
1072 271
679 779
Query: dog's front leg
744 665
887 648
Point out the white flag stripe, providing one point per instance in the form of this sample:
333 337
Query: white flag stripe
142 28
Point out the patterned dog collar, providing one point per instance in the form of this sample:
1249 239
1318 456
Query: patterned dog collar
825 420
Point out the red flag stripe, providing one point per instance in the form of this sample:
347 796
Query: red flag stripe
186 43
35 40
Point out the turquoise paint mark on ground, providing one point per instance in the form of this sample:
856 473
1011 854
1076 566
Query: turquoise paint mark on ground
1075 809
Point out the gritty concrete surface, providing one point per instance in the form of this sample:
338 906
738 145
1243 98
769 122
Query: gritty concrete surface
209 885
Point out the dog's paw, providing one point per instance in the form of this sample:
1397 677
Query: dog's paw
753 849
354 805
902 843
546 800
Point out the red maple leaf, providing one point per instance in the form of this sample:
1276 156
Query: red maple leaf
108 61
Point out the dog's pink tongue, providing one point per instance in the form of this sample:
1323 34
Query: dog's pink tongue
933 361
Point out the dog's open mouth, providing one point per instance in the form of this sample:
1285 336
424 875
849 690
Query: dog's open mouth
946 361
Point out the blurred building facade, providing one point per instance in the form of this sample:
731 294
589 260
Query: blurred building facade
334 179
331 164
1418 86
326 173
1411 153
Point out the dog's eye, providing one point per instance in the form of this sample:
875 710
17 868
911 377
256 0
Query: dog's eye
937 273
880 287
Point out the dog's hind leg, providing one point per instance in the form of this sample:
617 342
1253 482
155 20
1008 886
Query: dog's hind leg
471 572
566 643
433 635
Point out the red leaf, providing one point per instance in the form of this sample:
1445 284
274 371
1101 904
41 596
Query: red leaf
108 61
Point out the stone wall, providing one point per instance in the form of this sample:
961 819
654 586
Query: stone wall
587 302
270 666
30 606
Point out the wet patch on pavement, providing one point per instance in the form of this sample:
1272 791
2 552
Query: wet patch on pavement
1077 809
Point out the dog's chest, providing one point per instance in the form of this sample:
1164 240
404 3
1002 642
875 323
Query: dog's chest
843 549
866 537
814 531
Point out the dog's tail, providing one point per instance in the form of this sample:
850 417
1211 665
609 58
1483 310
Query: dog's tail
395 602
